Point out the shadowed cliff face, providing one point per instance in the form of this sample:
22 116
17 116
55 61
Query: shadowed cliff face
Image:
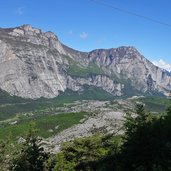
35 64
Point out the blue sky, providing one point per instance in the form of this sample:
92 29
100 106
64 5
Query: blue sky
85 25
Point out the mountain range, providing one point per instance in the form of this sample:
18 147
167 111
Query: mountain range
36 64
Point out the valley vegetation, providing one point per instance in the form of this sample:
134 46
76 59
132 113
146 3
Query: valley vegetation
145 146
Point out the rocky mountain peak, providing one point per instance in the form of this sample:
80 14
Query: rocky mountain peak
27 30
27 33
35 64
115 55
50 35
123 50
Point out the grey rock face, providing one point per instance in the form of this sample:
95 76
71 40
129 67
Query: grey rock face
128 63
35 64
100 81
28 67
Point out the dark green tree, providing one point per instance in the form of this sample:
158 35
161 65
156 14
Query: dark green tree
146 145
31 156
6 149
3 158
87 154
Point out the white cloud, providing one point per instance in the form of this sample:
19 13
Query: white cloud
83 35
162 64
19 11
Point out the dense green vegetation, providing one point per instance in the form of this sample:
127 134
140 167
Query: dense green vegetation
76 70
145 146
31 155
10 109
89 93
47 125
155 103
90 153
6 98
146 143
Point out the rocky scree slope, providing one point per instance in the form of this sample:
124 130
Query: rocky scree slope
35 64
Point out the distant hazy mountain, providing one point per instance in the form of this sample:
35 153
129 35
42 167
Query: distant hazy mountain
35 64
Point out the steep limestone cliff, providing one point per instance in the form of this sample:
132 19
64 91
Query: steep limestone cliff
35 64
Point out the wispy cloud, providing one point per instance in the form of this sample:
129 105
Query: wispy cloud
162 64
19 11
83 35
70 32
100 41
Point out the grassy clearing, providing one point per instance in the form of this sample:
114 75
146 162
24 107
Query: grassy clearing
47 125
75 70
156 104
58 123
